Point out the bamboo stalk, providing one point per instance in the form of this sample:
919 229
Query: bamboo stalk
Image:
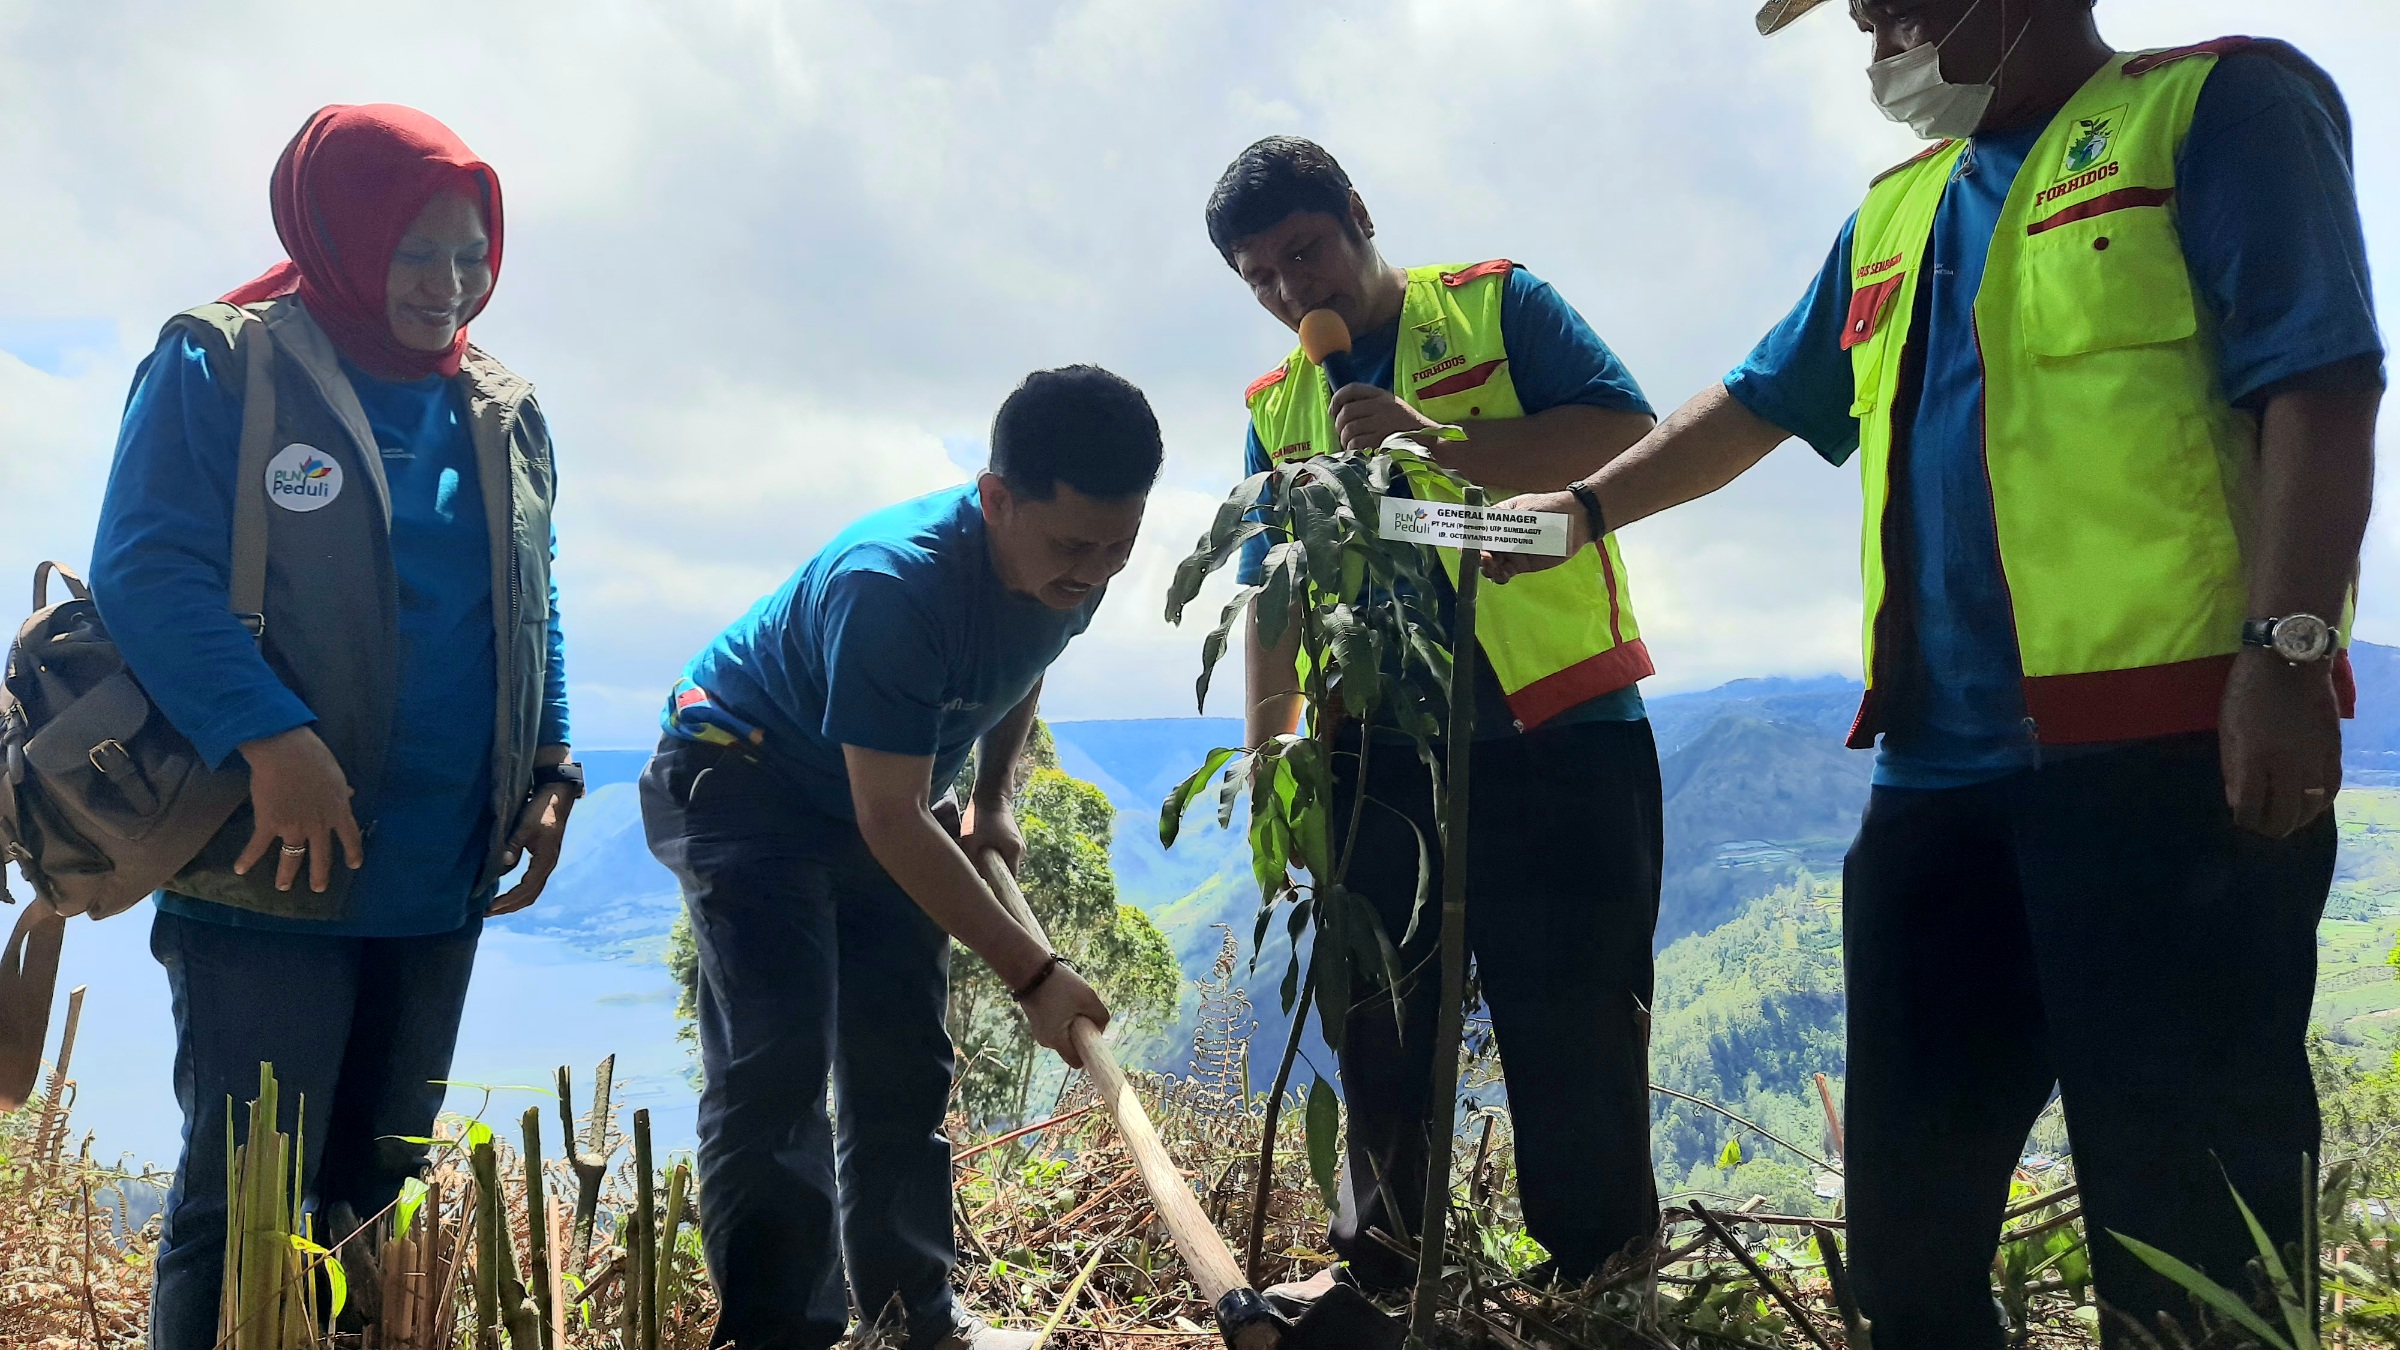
1450 1023
679 1190
645 1235
537 1237
489 1219
591 1161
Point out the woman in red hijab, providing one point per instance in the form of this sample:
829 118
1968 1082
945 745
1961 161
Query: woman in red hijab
392 677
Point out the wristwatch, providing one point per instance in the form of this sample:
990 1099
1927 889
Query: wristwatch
2297 638
568 775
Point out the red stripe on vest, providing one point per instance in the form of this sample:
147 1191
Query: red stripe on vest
1265 382
1580 683
1867 304
2224 46
1464 380
2120 200
2146 701
1496 267
1918 158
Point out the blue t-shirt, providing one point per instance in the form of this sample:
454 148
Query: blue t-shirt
898 636
161 558
2271 234
1554 359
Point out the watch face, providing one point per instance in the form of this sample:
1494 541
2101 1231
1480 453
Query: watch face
2302 637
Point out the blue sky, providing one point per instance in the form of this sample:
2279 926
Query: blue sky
774 265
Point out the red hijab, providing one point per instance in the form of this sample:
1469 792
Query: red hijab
347 188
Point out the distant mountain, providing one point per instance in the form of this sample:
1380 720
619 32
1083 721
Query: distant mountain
1758 791
1751 804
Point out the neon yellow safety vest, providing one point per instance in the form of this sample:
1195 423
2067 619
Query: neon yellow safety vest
2123 483
1555 639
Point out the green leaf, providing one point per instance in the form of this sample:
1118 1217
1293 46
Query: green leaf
1278 580
1270 850
337 1280
412 1197
1324 1141
1223 540
2295 1317
2203 1288
1212 649
1731 1156
1170 814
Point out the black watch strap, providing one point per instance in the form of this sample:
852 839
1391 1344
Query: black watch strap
569 774
1592 515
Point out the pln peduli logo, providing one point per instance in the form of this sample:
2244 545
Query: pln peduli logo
303 478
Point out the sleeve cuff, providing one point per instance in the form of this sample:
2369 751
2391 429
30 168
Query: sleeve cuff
253 718
1832 451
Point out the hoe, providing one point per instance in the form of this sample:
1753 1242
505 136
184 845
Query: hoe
1343 1319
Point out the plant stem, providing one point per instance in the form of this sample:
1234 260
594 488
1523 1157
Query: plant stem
1264 1192
1450 1026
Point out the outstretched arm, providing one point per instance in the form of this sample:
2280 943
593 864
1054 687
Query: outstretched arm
1703 445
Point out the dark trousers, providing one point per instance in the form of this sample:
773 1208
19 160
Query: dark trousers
813 963
1562 900
2101 925
359 1030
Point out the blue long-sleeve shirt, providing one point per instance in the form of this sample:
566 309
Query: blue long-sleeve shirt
161 570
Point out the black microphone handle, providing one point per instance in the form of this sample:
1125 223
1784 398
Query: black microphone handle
1338 370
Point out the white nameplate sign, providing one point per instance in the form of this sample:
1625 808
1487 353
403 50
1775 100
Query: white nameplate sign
1452 526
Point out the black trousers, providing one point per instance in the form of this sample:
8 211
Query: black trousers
2101 925
813 963
1563 862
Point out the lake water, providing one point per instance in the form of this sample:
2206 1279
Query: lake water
535 1003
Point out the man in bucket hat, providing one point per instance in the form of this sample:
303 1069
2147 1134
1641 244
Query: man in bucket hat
2108 357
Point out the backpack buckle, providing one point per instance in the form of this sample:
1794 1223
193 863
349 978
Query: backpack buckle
118 761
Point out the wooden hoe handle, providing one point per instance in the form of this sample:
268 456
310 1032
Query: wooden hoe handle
1203 1249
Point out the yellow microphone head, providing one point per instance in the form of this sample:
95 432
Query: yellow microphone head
1323 334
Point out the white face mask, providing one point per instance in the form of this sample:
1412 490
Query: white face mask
1910 88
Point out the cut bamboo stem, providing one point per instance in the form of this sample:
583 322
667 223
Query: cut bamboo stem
645 1234
537 1236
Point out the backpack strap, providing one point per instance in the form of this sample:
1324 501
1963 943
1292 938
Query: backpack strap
249 577
41 584
28 977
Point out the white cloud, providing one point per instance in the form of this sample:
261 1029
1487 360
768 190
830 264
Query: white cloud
766 258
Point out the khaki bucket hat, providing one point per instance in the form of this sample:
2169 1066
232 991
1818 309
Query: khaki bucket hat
1775 14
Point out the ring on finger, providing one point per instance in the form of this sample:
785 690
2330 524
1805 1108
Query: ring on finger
295 850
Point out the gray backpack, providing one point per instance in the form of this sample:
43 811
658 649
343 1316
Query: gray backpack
103 801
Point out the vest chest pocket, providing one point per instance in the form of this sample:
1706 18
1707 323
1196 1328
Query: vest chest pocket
1867 333
2103 280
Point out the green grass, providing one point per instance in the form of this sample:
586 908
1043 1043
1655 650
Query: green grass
2358 1000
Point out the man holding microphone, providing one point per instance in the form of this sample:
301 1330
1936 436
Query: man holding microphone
1564 872
2108 358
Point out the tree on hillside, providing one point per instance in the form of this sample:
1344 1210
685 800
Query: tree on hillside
1068 881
